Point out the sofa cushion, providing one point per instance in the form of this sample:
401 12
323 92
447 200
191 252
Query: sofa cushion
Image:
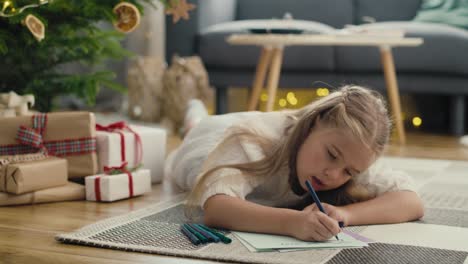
335 13
216 52
386 10
443 51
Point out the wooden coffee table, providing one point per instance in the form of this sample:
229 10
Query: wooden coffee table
271 58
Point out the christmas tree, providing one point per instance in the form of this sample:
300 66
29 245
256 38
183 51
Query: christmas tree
37 38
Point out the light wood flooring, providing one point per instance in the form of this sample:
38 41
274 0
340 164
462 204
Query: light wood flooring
27 232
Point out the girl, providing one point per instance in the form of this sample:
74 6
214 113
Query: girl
248 170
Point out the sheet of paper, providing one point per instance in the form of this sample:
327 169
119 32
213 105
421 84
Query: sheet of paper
423 235
267 241
250 247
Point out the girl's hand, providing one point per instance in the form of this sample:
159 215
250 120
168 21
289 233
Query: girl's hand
335 212
313 225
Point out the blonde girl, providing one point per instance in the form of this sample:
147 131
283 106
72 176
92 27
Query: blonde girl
247 171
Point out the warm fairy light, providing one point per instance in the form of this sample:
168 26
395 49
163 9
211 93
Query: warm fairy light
322 92
282 102
264 97
6 4
293 101
417 121
291 98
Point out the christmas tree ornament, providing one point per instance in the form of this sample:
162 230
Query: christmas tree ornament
128 17
36 26
179 9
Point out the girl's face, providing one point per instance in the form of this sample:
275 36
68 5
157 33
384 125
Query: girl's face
329 158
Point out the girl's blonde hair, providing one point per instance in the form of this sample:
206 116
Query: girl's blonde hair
357 110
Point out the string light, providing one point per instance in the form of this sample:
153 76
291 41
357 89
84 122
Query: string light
322 92
9 10
417 121
282 102
264 97
291 98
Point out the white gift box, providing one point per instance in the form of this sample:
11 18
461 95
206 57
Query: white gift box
110 188
154 149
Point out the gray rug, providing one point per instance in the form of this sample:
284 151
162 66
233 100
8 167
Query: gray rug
156 229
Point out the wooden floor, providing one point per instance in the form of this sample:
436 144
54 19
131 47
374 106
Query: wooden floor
27 232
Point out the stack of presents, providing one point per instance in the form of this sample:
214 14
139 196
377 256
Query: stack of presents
66 156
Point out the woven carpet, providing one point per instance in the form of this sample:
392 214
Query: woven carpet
442 185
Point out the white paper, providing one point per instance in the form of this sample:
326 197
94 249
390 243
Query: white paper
268 242
154 149
116 187
423 235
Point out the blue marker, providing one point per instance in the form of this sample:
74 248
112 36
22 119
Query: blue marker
316 199
190 236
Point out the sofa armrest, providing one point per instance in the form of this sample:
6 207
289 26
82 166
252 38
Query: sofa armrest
181 37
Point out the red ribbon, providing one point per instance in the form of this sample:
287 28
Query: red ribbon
118 127
111 171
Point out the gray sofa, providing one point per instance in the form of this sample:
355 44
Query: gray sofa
439 66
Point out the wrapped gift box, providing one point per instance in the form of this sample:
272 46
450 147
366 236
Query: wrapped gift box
69 192
18 178
110 188
71 135
153 140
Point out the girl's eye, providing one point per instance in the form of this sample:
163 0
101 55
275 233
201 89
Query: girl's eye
349 173
332 157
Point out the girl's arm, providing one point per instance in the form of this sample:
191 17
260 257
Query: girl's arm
390 207
237 214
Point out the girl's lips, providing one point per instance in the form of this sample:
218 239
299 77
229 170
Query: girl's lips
316 182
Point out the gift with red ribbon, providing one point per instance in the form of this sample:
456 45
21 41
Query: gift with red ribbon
69 135
117 183
138 146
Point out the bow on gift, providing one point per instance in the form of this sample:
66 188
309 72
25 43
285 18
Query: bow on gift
118 127
11 104
113 171
31 141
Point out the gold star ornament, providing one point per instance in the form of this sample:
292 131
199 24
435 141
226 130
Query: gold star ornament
179 9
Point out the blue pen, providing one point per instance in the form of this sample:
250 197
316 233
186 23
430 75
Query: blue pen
316 199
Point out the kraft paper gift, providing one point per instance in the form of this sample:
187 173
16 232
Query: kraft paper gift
70 135
23 177
110 188
153 143
69 192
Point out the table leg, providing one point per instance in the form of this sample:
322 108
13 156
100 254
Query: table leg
262 68
392 91
273 77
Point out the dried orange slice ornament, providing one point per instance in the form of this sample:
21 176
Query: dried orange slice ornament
128 17
36 26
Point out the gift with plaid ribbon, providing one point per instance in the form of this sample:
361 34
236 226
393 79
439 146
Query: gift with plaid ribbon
70 135
138 146
117 183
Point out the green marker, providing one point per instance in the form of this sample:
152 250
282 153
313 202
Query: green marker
202 238
225 239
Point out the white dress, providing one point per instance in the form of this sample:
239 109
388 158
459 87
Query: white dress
200 151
